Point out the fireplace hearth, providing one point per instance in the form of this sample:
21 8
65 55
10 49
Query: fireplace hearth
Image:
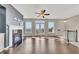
17 37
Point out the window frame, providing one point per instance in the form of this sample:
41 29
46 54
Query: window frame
26 28
39 28
53 26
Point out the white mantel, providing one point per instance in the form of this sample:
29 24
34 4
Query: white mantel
13 27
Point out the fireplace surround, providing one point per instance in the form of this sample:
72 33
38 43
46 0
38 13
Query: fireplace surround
15 35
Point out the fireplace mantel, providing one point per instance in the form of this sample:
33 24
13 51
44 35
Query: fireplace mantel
11 28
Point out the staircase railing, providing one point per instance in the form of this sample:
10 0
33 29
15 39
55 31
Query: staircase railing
72 35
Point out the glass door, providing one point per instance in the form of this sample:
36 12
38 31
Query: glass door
39 27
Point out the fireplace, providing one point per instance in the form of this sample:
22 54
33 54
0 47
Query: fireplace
17 37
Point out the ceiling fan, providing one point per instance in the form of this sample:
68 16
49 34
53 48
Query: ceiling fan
42 13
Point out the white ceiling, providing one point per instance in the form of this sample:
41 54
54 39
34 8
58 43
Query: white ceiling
57 11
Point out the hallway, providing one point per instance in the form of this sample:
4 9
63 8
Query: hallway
43 46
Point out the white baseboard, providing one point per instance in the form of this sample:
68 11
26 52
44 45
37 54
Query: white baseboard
75 43
4 49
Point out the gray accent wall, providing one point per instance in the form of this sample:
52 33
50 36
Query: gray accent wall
3 22
11 14
2 19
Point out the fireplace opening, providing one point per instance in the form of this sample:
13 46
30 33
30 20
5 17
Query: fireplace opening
17 37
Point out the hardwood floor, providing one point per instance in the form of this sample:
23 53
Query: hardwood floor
43 46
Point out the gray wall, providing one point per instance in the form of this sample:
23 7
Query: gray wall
2 19
12 13
3 22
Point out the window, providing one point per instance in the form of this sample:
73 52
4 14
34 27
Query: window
39 27
51 27
28 27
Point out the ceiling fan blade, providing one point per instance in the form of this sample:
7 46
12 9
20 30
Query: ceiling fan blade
43 16
44 10
46 14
